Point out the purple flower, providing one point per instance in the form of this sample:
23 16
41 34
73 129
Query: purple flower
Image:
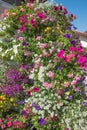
67 35
37 108
41 121
69 28
85 104
72 42
59 67
24 44
70 97
23 112
33 104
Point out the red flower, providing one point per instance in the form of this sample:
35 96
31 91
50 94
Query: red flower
29 93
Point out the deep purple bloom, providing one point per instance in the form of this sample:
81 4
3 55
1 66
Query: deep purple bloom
41 121
37 108
24 44
23 112
66 89
67 36
72 42
69 28
85 104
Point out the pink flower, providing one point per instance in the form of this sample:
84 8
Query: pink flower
3 126
77 77
0 121
73 82
20 39
22 28
72 48
29 5
66 84
33 23
50 74
15 123
60 54
43 45
7 118
70 75
59 91
38 38
9 124
77 89
69 57
47 85
47 54
81 59
41 15
26 53
14 14
36 89
22 9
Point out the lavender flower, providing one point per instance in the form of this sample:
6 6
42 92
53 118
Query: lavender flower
85 104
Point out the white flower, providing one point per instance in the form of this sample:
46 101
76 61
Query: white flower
4 27
0 49
52 114
12 57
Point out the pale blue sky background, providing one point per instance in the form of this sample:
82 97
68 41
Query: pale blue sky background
79 8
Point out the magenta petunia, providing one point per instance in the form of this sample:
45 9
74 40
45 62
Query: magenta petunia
60 54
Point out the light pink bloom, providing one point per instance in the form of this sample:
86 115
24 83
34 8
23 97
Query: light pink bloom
78 77
20 39
26 53
22 9
50 74
47 54
38 38
77 89
70 75
66 84
47 85
59 91
43 45
60 54
73 82
3 126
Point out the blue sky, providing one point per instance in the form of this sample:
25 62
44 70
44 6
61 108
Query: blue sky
79 8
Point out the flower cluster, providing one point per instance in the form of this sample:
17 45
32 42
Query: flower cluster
43 85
